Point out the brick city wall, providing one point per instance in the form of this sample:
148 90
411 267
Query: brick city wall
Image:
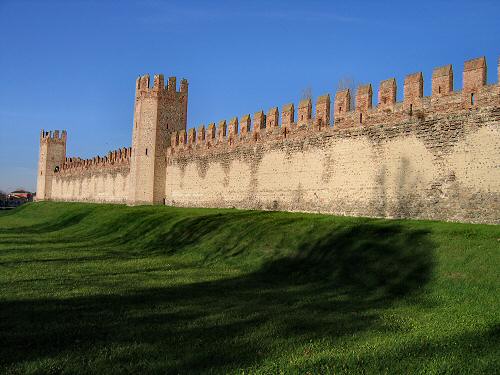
101 179
433 157
427 157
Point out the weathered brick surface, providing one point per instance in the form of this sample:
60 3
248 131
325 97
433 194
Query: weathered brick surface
100 179
425 157
442 166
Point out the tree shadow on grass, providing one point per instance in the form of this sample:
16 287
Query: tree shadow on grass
335 286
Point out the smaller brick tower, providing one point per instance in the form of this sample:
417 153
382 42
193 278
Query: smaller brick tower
158 112
52 156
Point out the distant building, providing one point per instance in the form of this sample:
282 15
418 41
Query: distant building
16 198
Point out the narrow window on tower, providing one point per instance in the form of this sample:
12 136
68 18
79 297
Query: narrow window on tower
146 152
472 99
411 109
360 118
439 89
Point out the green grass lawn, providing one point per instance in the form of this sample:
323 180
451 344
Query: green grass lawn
106 289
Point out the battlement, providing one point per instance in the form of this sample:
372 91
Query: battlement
364 98
387 93
116 158
53 136
323 110
413 90
414 107
342 102
143 86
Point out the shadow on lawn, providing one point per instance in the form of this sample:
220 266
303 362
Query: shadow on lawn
63 221
336 286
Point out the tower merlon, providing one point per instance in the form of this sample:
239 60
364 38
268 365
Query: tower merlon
159 82
211 134
323 110
192 136
364 97
474 75
233 129
245 124
442 81
413 88
143 83
221 131
184 85
259 121
55 135
182 137
323 99
172 84
342 103
201 135
272 119
305 111
287 115
387 93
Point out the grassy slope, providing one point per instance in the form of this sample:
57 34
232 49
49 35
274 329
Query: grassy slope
112 289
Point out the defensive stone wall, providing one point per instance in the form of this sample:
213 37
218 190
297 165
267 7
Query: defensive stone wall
434 157
426 157
100 179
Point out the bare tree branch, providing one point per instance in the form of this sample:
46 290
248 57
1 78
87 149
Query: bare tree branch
306 93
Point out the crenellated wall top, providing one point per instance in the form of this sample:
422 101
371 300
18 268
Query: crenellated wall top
414 107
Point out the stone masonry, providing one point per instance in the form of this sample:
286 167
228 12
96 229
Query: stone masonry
431 157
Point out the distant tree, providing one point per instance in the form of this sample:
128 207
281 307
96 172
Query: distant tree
306 93
348 83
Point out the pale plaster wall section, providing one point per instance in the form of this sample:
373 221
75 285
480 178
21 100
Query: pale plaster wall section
476 160
102 186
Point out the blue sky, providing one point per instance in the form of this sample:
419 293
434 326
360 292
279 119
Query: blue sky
72 64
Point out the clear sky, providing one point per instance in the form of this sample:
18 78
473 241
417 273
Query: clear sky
72 64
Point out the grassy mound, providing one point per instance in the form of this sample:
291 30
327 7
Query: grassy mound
112 289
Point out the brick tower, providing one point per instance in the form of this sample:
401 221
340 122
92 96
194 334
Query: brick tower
52 156
158 111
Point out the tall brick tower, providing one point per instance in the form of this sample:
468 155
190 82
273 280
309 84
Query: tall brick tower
158 112
52 155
